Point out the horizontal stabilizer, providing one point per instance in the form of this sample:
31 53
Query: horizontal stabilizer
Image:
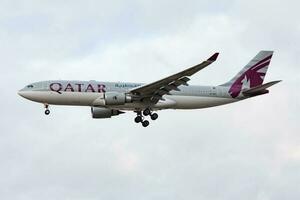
258 90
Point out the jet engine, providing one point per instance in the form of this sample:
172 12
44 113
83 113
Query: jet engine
99 113
112 98
116 98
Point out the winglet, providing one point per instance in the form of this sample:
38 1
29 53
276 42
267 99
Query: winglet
213 57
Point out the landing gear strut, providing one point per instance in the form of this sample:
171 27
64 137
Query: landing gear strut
142 114
47 111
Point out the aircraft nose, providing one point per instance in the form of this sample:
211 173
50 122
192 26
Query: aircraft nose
30 95
21 93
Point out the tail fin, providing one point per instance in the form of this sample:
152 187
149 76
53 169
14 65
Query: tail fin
252 75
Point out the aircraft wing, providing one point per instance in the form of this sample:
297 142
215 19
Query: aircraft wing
157 89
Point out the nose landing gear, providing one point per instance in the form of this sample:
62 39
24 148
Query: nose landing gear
141 115
47 111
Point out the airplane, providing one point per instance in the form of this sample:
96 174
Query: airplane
108 99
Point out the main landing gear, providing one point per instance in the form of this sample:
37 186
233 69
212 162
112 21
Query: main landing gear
47 111
141 115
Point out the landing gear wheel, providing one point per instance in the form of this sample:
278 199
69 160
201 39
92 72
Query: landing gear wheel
47 112
145 123
154 116
138 119
147 112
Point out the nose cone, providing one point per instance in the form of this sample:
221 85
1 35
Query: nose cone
21 93
31 95
25 94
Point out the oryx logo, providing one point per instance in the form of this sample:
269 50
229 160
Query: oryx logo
252 77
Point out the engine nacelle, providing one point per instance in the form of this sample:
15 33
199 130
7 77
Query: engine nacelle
99 113
112 98
116 98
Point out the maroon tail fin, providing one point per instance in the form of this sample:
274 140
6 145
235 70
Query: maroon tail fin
252 75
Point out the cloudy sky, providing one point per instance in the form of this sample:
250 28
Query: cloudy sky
248 150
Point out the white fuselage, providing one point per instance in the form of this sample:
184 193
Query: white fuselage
82 93
108 99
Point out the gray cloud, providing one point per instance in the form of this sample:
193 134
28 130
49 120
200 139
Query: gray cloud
248 150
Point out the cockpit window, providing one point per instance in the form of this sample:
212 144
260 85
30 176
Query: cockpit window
29 86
